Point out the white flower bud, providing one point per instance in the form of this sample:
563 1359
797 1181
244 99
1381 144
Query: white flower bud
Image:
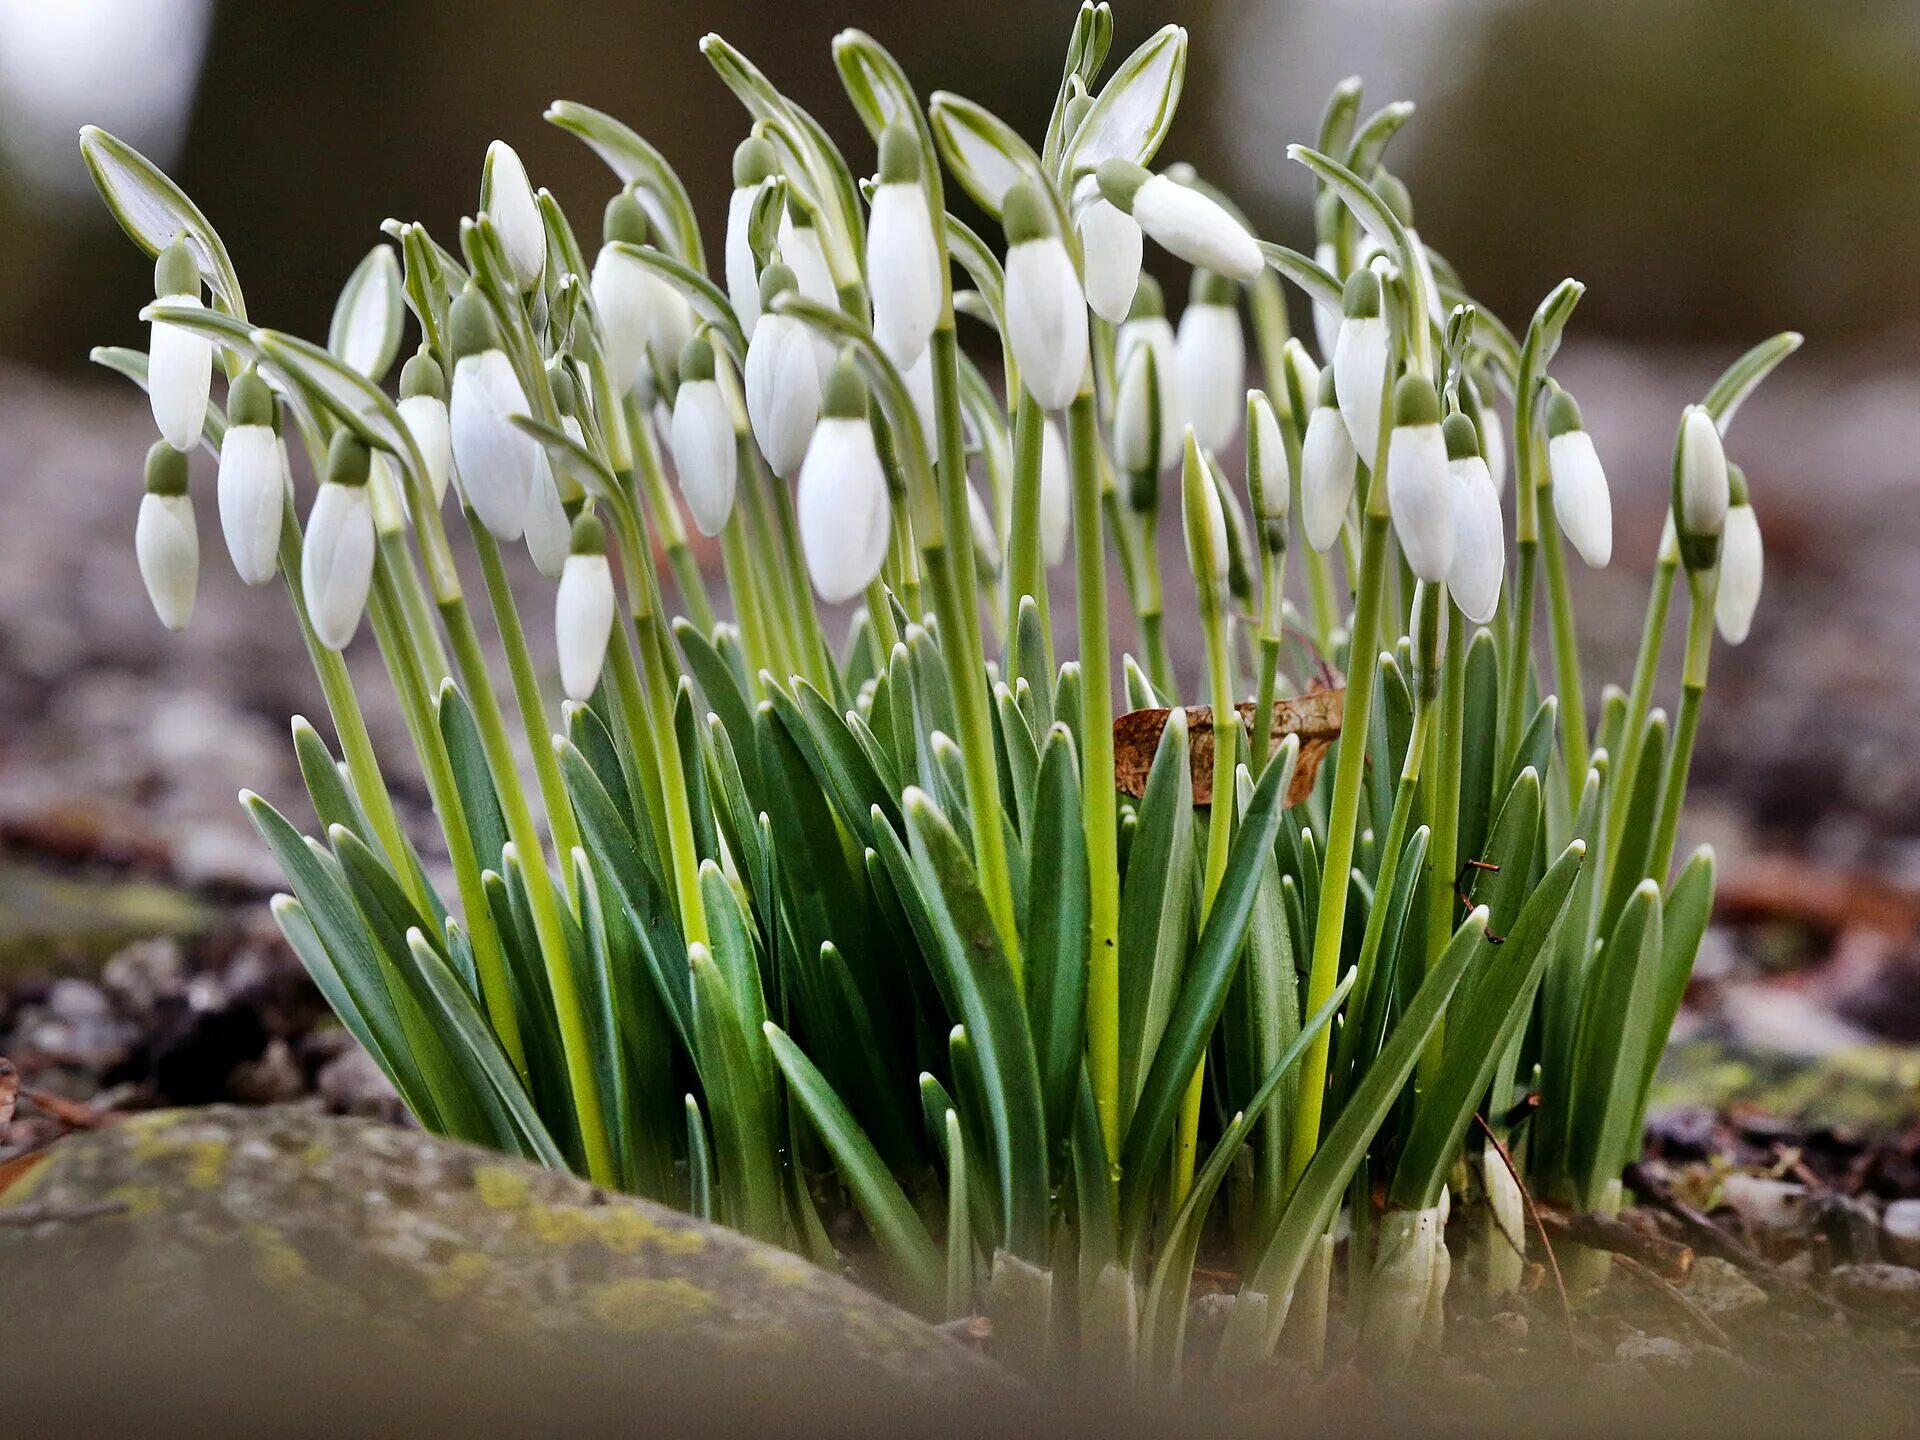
1110 250
1493 445
166 541
1360 365
783 391
497 461
1741 565
1269 479
426 420
1211 361
583 610
1419 485
1327 471
1479 543
1182 220
548 529
1326 318
903 262
1581 501
1204 522
1701 504
507 198
704 453
179 361
1148 335
754 164
336 562
1056 495
625 295
252 497
844 512
1046 311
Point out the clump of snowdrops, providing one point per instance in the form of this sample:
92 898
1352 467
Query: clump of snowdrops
781 922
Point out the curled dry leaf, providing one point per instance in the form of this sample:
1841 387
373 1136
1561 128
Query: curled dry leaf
9 1089
1315 717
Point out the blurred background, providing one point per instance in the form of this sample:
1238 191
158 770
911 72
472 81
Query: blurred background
1714 170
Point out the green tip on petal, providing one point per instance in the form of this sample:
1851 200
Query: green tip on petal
899 154
1737 492
845 397
249 401
1149 302
565 395
1023 214
176 272
1360 300
589 535
1415 402
1120 180
1563 415
1209 288
1463 440
421 375
626 220
1076 112
348 460
1329 395
775 281
471 323
166 469
696 360
1395 196
754 160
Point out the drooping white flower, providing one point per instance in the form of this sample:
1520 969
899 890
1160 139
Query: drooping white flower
336 561
841 504
165 540
1269 476
1360 364
423 406
903 262
583 609
1419 485
1056 495
1211 358
548 530
754 164
1581 501
496 460
1701 491
251 489
1110 251
703 441
1742 563
506 196
1152 401
626 294
179 361
1046 310
1327 469
1182 220
1479 543
782 382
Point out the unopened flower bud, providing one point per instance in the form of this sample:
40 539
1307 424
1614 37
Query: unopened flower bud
1182 220
1046 311
1419 486
336 562
1581 501
423 406
1327 469
1700 488
903 262
506 196
497 460
1360 364
703 441
165 540
179 361
1211 360
845 514
1110 250
583 609
1479 543
782 381
754 164
250 489
1742 563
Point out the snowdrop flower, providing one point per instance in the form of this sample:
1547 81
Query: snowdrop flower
1056 495
1581 501
549 531
1110 249
1211 360
583 609
903 261
626 294
1419 485
1182 220
497 461
844 512
1204 521
782 380
1269 477
336 564
179 361
1701 490
1326 318
802 253
1393 191
1327 469
1360 364
1150 411
1741 565
1479 543
1493 434
252 490
165 540
507 198
754 164
703 442
1046 309
423 406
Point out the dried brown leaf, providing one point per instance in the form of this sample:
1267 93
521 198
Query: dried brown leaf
1315 717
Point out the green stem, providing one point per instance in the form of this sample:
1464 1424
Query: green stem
1566 664
1026 572
1693 685
1646 669
1444 811
667 522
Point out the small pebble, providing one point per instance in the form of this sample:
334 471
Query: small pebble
1721 1289
1891 1290
1772 1207
1900 1227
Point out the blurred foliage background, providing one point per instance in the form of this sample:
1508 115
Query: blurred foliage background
1712 168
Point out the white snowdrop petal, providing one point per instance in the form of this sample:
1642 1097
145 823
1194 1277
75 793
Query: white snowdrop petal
743 282
496 460
1742 564
1111 248
1359 378
843 510
336 565
704 455
986 539
670 324
1704 492
1326 318
903 271
1479 543
1581 501
1133 418
1196 228
252 496
1056 495
1211 360
1276 480
1154 333
625 295
167 545
426 421
549 532
1327 477
1493 445
782 381
516 215
1420 495
583 612
179 378
1046 321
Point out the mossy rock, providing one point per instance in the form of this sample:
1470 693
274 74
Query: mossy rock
233 1259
